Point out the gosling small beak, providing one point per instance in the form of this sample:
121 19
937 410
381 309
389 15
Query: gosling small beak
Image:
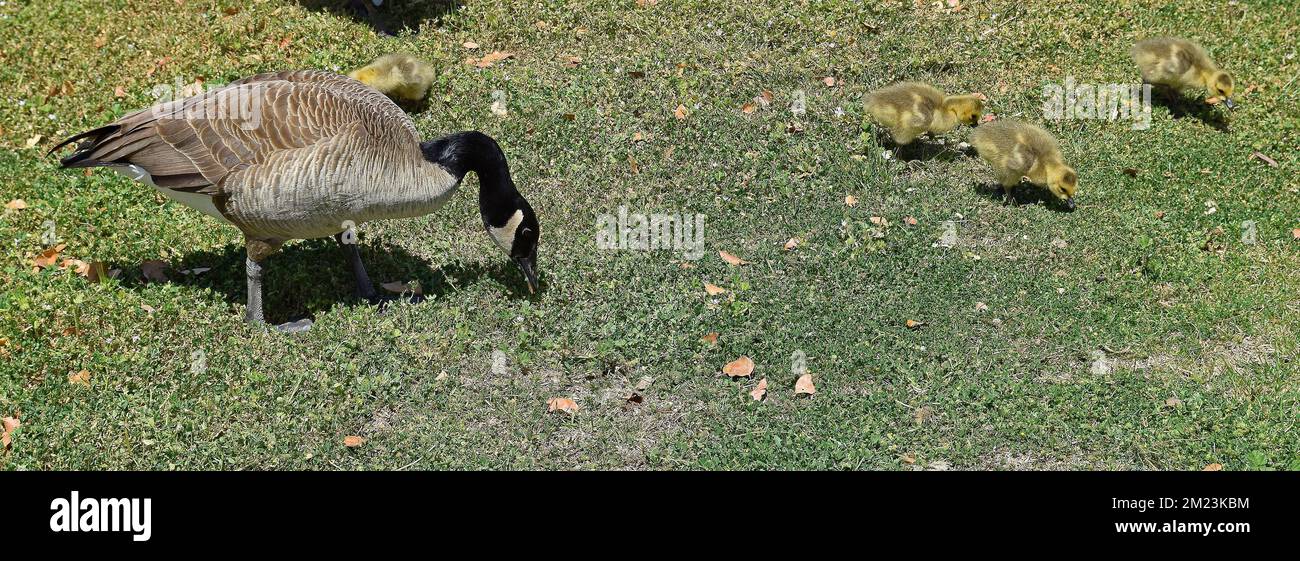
1069 203
1227 101
526 265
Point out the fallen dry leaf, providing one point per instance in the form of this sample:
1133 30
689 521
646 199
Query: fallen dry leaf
804 385
760 390
909 220
1261 157
78 266
98 271
1213 100
713 289
711 338
909 458
879 221
922 415
1295 233
1173 402
644 383
82 378
148 308
1160 214
1131 172
980 96
119 92
829 81
791 244
1213 467
981 307
851 200
489 59
732 259
48 257
680 112
16 204
913 324
153 270
353 441
100 41
33 141
748 108
469 45
561 404
988 118
739 368
7 426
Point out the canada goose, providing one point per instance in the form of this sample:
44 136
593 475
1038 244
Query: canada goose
306 154
397 75
1017 149
910 109
1180 64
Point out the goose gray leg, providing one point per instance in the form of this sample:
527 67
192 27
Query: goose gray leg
365 289
254 272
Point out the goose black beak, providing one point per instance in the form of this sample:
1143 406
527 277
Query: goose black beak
1069 203
526 265
1227 101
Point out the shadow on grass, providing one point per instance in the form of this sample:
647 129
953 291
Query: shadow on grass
1181 107
312 276
390 18
921 149
1023 194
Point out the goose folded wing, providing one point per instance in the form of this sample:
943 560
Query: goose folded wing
195 143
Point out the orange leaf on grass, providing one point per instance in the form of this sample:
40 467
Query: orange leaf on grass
804 385
851 200
48 257
1213 467
714 289
739 368
732 259
7 426
563 404
353 441
16 204
82 378
760 390
711 338
489 59
680 112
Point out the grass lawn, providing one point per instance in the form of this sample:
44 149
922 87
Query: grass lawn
1138 332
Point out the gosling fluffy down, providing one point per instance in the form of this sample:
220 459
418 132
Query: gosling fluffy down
399 76
1016 149
1181 64
910 109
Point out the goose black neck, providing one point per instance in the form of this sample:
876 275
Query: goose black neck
474 151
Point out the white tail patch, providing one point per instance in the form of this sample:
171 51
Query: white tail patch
198 201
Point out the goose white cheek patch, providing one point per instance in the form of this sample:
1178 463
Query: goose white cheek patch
505 235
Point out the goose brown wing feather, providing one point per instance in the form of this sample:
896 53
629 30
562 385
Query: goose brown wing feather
204 138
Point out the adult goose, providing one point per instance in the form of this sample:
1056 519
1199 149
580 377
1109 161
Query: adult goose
307 154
